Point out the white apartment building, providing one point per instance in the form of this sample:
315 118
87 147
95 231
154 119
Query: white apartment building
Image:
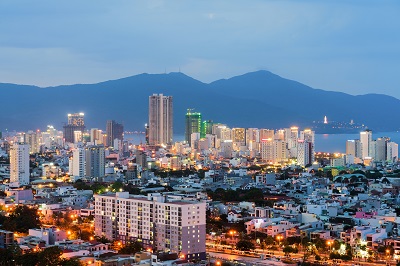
158 222
365 140
19 164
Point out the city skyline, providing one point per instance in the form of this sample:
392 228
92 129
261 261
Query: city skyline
333 45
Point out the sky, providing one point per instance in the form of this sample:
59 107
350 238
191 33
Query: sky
351 46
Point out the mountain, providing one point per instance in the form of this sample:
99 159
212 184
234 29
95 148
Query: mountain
257 99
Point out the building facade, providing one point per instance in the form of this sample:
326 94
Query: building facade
19 164
114 131
192 124
76 122
160 223
160 119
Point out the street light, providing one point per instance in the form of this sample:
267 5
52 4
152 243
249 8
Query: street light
232 232
329 242
279 238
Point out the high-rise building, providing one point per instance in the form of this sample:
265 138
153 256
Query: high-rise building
76 122
161 224
94 161
192 124
77 163
305 152
114 131
96 136
266 134
307 134
160 119
19 164
33 139
239 135
381 149
206 128
392 152
267 150
365 140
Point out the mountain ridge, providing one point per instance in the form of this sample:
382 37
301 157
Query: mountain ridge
256 99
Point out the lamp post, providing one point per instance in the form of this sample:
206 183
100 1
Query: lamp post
232 233
279 238
387 256
329 242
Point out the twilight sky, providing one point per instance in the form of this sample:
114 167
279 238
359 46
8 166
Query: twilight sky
342 45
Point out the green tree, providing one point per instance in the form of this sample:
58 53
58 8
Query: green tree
103 240
71 262
131 248
22 219
31 258
245 245
289 249
10 255
50 256
117 186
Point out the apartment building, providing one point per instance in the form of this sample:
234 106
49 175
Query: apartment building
157 221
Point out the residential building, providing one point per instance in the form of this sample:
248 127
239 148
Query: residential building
160 119
114 131
19 164
160 223
192 124
76 122
33 139
365 140
94 161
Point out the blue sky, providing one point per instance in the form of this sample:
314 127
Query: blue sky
341 45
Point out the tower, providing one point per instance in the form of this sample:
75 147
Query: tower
365 140
76 122
114 131
19 164
206 128
192 124
32 138
95 161
160 119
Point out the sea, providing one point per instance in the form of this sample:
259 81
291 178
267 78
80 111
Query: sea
323 142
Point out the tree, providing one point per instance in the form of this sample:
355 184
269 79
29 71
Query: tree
22 219
9 255
50 256
131 248
103 239
71 262
289 249
245 245
269 240
263 246
31 258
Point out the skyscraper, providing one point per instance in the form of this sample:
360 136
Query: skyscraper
114 131
33 139
206 128
192 124
160 119
76 122
365 140
19 164
95 161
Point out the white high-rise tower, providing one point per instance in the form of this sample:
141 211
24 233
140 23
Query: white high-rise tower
365 140
19 164
160 119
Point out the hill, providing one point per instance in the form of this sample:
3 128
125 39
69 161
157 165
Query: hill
257 99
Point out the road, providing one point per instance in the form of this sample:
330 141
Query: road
230 255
